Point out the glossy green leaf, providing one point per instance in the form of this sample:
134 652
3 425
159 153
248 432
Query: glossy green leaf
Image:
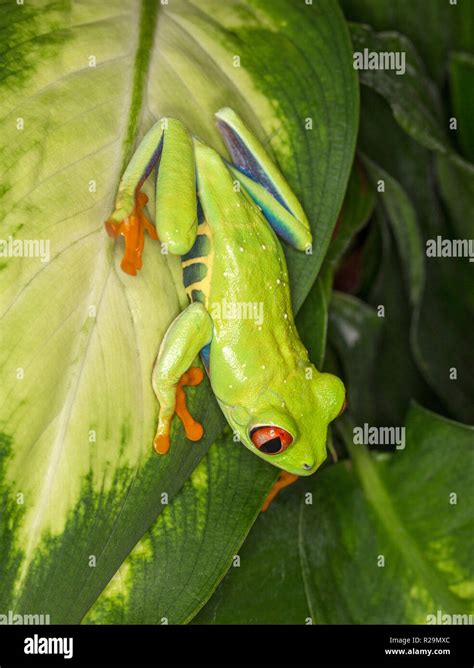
81 82
357 208
382 349
384 539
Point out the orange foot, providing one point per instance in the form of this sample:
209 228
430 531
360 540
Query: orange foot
193 430
133 230
284 479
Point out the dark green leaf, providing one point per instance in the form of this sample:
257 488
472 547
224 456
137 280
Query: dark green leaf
355 331
356 210
438 339
434 26
411 508
176 566
411 95
461 67
402 217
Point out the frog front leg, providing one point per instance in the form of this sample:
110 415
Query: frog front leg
169 147
187 335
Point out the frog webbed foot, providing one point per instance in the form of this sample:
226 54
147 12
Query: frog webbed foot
133 228
190 331
193 430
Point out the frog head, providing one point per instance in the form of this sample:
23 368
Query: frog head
288 427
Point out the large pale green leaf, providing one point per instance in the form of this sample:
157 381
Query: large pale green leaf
384 539
79 482
82 81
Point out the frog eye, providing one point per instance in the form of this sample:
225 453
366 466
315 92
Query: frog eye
271 440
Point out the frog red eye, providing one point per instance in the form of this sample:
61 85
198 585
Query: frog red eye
271 440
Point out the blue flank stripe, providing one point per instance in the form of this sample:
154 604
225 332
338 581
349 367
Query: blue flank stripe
198 296
205 354
194 273
201 248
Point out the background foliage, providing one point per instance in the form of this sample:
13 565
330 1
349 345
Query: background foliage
106 531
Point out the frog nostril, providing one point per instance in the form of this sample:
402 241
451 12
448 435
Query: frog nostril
307 467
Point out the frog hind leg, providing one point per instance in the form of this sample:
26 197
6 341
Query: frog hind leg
167 146
187 335
263 181
284 479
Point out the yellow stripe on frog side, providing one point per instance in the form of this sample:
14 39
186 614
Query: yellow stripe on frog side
197 266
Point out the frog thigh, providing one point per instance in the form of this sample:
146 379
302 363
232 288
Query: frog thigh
188 333
176 216
263 181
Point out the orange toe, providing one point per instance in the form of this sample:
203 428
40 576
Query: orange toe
194 430
133 229
162 443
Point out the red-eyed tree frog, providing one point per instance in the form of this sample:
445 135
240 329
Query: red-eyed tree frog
223 219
